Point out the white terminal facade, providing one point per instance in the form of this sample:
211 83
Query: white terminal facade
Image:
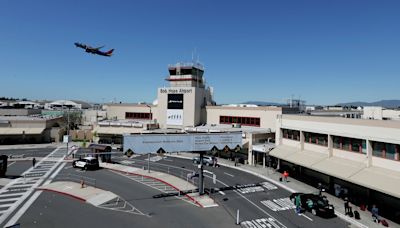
354 157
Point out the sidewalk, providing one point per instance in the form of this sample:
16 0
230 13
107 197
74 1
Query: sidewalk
89 194
29 146
293 185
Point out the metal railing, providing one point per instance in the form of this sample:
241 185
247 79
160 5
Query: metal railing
181 172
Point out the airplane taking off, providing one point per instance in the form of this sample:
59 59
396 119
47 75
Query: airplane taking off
95 51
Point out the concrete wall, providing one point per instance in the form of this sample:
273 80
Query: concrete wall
118 110
292 143
81 135
90 117
19 112
373 130
193 99
316 148
350 155
376 130
267 115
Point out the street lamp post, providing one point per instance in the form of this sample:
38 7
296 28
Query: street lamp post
66 154
150 117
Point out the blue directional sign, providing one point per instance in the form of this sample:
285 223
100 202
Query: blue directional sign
151 143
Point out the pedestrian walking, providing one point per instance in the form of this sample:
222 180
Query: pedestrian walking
346 206
285 175
298 204
375 213
216 162
33 162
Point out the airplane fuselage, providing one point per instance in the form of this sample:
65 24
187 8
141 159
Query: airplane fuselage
94 51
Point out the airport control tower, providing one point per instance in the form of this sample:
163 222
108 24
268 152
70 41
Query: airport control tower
182 104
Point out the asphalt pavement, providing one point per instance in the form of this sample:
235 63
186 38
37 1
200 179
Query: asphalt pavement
55 210
269 204
265 204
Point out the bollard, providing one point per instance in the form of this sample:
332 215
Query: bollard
237 217
82 183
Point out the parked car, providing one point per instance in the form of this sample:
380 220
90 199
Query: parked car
316 204
206 160
86 163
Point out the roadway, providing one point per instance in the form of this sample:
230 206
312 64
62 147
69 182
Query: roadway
259 205
267 203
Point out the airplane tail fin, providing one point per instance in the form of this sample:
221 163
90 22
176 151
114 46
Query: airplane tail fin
110 52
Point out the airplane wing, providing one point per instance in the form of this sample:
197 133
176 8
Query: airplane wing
80 45
99 47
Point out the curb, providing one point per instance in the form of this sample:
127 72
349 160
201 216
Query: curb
63 193
344 217
354 222
247 171
136 174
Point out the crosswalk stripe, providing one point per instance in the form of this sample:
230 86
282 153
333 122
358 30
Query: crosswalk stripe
8 200
6 194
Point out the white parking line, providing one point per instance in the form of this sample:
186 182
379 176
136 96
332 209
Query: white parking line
11 164
305 216
229 174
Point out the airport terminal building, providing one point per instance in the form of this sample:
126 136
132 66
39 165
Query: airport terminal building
350 157
354 157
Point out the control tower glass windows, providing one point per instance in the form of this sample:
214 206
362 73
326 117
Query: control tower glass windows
186 71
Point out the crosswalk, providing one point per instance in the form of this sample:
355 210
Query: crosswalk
256 188
15 192
262 222
250 189
155 158
280 204
268 186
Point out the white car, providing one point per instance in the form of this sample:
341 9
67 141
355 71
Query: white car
86 163
206 160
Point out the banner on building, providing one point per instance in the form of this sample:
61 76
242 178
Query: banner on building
175 109
151 143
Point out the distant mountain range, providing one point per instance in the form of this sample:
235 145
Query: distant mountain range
383 103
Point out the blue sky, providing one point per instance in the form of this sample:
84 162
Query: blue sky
322 51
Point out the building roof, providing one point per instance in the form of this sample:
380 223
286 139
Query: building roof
26 118
227 128
84 105
341 120
238 107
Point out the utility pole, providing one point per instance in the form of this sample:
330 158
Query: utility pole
150 117
201 185
148 163
67 131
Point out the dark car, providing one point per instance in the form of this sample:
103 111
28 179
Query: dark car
86 163
316 204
